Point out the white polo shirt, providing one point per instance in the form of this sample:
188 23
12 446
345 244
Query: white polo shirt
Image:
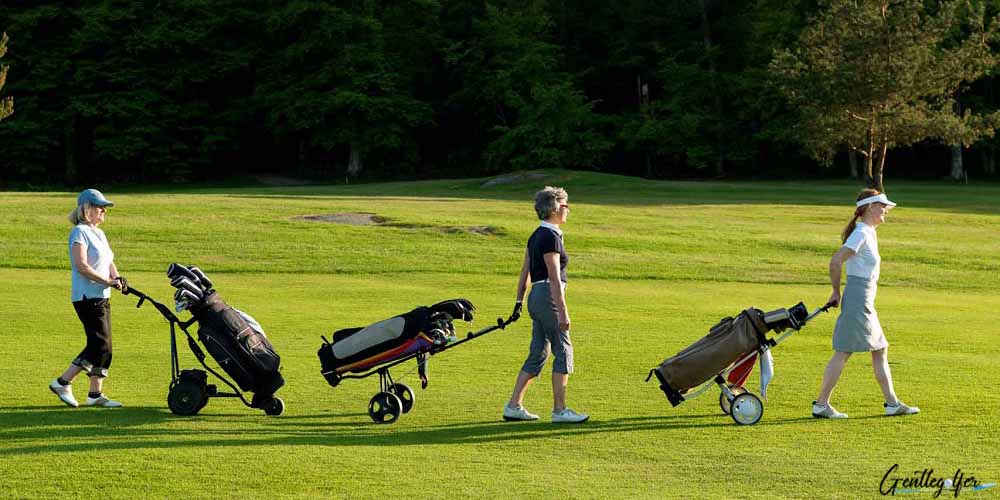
99 256
866 262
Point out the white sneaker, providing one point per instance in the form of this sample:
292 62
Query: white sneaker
826 411
65 393
567 416
900 409
517 414
103 400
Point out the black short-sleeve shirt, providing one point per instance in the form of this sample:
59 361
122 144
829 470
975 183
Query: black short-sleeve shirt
545 240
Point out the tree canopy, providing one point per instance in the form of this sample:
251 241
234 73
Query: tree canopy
192 89
876 74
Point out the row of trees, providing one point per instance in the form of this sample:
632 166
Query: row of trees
152 90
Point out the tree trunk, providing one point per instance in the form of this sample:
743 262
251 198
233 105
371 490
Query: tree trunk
852 156
879 170
988 154
354 166
71 168
869 167
957 168
870 158
869 162
642 93
300 168
706 31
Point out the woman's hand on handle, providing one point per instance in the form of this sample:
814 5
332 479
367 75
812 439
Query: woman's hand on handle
516 314
834 299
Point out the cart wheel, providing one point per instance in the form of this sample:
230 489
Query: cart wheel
385 408
186 397
747 409
275 408
724 403
405 395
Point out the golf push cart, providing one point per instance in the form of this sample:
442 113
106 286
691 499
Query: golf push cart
365 351
234 339
726 356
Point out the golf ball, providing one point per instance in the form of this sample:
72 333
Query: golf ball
947 483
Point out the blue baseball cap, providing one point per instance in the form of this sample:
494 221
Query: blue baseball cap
94 197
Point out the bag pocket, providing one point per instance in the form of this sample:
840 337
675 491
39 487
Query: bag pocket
227 353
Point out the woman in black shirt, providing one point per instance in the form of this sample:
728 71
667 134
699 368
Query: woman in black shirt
545 261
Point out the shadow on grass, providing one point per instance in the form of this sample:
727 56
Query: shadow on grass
30 430
810 418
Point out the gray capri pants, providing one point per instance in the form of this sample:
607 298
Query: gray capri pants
546 336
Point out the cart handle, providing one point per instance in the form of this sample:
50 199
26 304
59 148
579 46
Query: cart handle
164 310
826 307
142 297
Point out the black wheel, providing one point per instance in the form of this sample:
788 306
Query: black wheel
275 407
747 409
724 403
210 390
186 397
385 408
405 395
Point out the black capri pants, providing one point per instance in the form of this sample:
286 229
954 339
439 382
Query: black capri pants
95 314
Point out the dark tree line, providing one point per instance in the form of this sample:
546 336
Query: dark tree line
152 90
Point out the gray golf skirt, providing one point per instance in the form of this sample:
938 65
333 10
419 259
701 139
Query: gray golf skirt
858 328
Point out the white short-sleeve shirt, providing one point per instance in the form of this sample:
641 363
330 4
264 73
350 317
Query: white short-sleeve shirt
99 256
866 262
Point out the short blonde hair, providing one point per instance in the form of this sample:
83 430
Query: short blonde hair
79 214
547 201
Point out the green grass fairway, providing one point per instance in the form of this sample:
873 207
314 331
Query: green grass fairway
654 265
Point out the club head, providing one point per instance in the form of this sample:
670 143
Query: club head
206 283
182 283
456 308
777 319
186 295
798 314
176 270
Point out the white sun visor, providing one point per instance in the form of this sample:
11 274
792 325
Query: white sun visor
879 198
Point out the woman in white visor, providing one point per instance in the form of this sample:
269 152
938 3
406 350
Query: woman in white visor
858 328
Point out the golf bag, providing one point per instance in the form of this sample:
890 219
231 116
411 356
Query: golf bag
725 357
234 339
239 345
359 349
376 348
725 343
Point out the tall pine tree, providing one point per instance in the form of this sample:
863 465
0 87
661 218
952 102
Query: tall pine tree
873 75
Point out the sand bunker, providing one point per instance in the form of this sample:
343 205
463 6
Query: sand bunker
370 219
353 219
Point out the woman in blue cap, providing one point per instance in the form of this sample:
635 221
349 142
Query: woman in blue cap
93 276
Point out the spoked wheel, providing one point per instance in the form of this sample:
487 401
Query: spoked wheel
385 408
275 407
405 395
724 402
747 409
186 398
